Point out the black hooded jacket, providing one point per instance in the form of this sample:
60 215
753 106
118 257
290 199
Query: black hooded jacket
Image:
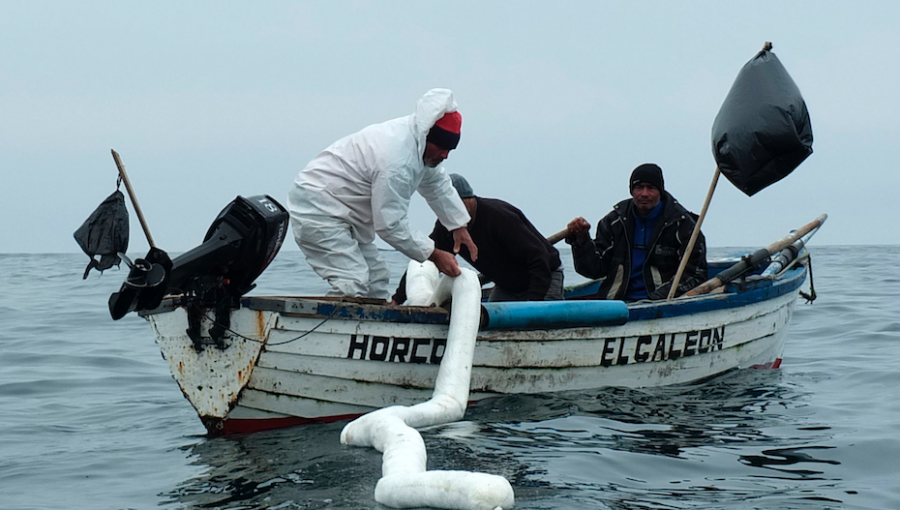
511 251
609 254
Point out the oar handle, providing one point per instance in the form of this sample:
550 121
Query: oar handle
131 195
788 240
559 236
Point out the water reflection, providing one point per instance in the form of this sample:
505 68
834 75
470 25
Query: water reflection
778 459
733 408
299 467
740 437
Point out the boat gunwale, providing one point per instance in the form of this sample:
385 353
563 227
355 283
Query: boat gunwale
315 307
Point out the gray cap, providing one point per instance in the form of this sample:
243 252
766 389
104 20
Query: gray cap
462 186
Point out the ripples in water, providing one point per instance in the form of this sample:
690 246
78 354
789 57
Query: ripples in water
90 417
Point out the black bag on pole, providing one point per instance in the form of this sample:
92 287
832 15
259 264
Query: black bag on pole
105 233
762 132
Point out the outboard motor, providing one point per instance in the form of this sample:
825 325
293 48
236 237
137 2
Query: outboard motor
145 284
241 243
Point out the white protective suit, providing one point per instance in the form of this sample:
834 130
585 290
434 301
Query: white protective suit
360 186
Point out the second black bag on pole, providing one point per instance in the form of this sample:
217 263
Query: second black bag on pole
762 131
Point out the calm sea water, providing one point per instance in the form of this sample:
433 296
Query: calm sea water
90 417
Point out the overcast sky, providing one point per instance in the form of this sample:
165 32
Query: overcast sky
205 101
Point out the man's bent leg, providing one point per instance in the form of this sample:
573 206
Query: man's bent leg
333 254
379 273
556 291
498 293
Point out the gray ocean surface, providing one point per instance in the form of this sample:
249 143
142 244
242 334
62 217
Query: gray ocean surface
90 417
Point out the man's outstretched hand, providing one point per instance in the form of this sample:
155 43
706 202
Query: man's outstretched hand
461 237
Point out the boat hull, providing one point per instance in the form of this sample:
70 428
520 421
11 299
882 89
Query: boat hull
291 361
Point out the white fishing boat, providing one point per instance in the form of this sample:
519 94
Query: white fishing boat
249 363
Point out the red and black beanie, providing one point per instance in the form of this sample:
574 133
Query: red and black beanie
445 132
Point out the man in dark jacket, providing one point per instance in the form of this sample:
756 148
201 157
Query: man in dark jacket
640 243
523 265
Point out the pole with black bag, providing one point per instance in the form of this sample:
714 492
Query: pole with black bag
761 134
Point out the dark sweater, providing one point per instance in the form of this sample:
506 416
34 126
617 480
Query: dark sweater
511 251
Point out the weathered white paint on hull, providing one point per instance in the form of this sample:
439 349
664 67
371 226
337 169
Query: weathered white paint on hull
211 379
291 367
374 384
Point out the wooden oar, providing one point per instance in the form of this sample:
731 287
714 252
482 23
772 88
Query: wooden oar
755 259
694 235
559 236
131 195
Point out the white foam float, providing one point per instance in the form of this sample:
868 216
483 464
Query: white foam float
405 482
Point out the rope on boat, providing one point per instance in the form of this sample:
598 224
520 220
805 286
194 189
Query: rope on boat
812 288
235 333
802 257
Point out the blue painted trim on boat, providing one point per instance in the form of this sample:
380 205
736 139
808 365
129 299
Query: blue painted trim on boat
754 292
405 315
588 290
554 314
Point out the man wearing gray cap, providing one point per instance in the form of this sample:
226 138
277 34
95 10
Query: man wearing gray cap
523 265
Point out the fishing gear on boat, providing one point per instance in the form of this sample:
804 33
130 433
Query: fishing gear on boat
753 261
787 257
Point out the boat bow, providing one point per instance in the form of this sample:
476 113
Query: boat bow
212 378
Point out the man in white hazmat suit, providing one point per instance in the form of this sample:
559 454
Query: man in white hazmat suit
361 185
